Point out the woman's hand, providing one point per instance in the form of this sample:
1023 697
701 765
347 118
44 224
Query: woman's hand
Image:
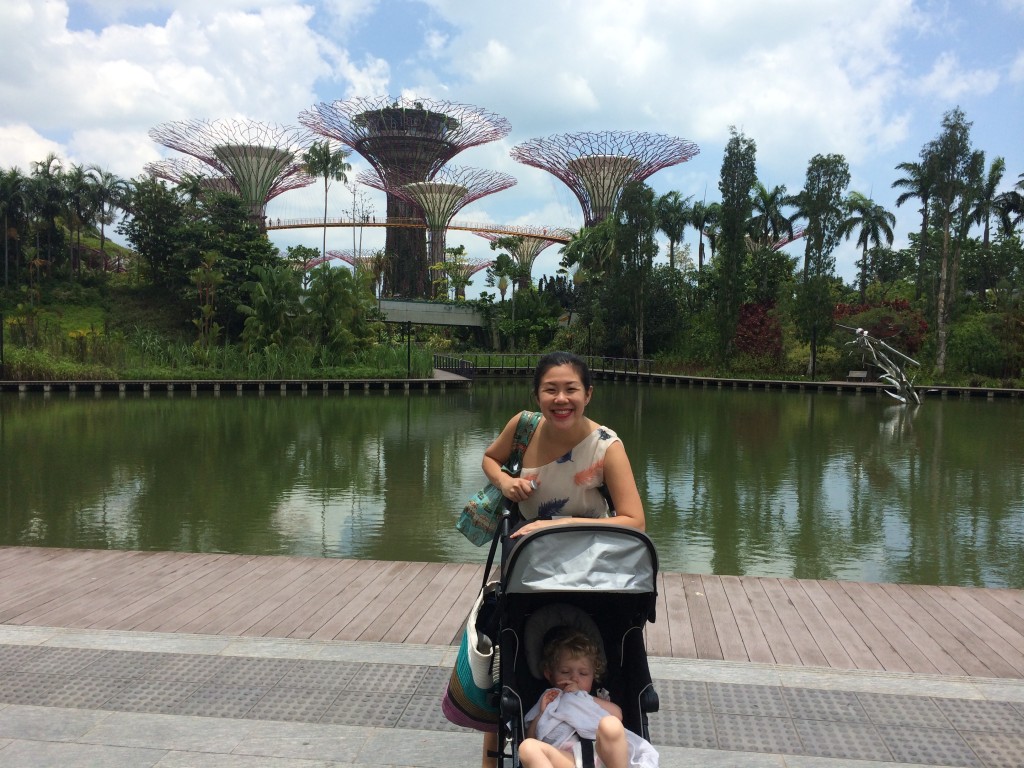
533 525
516 489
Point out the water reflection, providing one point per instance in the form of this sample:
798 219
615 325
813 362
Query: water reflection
788 484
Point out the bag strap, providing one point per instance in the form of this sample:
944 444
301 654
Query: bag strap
528 421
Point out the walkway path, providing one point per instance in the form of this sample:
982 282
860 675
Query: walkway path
207 675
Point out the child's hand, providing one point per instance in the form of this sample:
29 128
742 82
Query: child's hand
549 696
568 686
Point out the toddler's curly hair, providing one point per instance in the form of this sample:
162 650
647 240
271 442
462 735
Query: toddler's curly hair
577 645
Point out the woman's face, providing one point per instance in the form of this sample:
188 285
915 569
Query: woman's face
561 396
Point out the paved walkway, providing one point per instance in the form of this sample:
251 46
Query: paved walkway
72 697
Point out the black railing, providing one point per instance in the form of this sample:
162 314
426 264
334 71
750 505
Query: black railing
458 366
527 362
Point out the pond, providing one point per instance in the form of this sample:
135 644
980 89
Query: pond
790 484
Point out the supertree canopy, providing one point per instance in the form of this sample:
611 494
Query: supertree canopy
406 141
262 160
525 249
596 166
179 170
449 190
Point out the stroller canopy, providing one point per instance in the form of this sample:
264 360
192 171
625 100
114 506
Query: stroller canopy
582 557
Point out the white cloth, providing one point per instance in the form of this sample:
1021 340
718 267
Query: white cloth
577 713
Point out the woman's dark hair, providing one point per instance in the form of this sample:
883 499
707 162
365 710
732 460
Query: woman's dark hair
555 359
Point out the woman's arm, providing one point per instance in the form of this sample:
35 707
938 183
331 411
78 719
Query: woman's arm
497 453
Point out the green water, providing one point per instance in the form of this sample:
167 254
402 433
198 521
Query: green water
734 482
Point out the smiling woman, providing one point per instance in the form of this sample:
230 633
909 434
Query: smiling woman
571 462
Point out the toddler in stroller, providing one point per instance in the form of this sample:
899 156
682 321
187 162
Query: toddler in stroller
591 581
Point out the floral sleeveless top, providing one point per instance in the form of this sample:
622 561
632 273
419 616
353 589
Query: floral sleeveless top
568 486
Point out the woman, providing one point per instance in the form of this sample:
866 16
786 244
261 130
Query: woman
568 460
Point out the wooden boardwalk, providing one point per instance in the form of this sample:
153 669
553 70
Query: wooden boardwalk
841 625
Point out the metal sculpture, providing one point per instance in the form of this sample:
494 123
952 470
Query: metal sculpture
262 160
882 355
596 166
524 249
406 140
448 192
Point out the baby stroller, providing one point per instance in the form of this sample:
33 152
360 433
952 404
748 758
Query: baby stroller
597 578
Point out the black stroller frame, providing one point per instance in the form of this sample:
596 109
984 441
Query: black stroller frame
607 571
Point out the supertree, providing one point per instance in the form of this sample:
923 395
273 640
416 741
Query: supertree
597 166
524 249
406 140
449 190
262 160
180 170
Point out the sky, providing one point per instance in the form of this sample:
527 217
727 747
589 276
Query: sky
871 80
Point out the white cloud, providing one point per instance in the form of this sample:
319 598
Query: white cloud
1016 74
949 82
20 146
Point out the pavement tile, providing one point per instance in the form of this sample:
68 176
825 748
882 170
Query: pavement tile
47 723
53 754
307 741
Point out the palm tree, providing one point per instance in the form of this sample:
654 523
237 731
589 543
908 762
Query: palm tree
13 202
111 192
874 223
769 225
46 197
673 214
704 218
81 205
919 182
321 160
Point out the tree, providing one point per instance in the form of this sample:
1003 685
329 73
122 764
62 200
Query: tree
738 177
769 224
81 206
704 217
110 192
988 204
13 203
874 224
46 195
919 183
821 203
674 213
636 221
959 170
321 160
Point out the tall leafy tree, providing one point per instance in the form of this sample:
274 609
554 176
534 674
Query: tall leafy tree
769 224
323 161
738 177
703 216
47 202
81 206
821 203
873 224
919 183
958 178
13 204
674 214
110 192
636 221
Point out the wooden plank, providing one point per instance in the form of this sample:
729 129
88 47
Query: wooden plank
407 607
845 632
245 595
963 603
727 643
880 646
291 589
326 602
446 588
994 652
778 639
657 640
678 618
835 655
935 658
385 597
321 591
698 636
800 636
938 631
1010 613
159 602
893 631
754 641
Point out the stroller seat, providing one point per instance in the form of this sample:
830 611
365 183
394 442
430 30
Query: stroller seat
597 578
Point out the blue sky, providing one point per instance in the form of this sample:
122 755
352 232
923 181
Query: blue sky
870 80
